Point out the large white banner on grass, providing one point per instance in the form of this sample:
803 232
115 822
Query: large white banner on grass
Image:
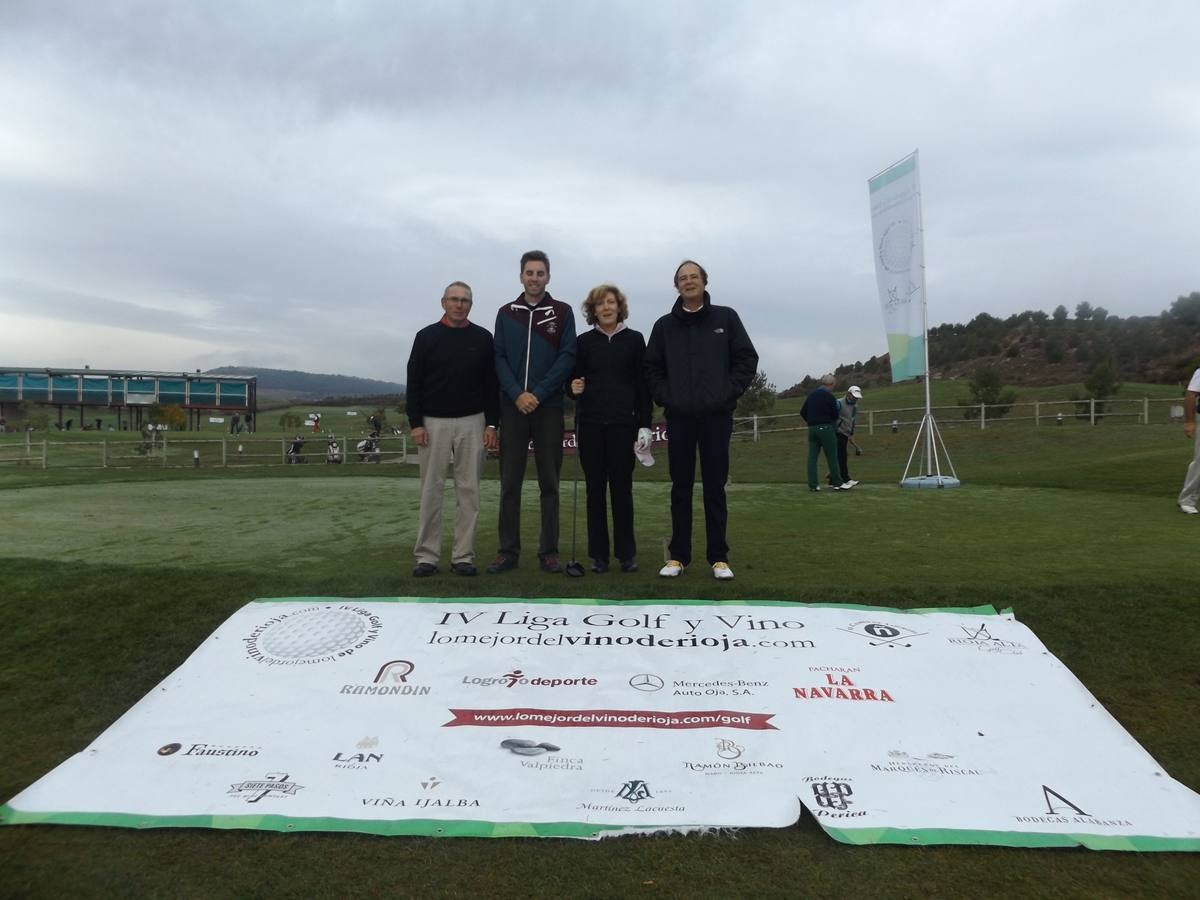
586 718
900 264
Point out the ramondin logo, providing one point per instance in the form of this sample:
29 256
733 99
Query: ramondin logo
397 670
390 680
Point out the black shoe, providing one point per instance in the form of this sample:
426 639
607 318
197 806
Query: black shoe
549 563
502 563
424 570
599 567
464 569
629 565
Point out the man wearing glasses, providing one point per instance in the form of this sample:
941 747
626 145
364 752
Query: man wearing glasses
453 409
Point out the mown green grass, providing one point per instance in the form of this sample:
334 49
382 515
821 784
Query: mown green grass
109 579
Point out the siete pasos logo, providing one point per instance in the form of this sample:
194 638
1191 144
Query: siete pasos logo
208 750
883 634
313 634
981 639
391 680
516 676
1061 811
840 687
275 783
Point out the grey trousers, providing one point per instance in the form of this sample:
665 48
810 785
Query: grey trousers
543 426
1191 481
459 440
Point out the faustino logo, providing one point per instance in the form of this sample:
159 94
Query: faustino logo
392 680
208 750
516 676
314 634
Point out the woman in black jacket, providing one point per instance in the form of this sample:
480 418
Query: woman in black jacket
612 414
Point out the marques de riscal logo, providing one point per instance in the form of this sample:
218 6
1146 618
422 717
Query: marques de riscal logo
313 634
981 639
513 677
883 634
392 680
932 766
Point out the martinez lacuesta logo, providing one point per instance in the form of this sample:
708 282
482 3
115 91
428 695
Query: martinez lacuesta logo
313 634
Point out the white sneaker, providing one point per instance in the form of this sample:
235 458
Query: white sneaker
849 484
722 572
671 569
1189 508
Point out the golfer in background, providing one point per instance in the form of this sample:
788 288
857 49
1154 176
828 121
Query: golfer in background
820 411
612 415
1191 482
847 414
699 360
453 408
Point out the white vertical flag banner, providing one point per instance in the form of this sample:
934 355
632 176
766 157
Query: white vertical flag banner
900 264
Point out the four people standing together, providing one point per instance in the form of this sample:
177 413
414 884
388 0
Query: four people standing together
463 382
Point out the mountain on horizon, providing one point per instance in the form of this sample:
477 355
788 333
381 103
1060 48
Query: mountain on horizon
291 384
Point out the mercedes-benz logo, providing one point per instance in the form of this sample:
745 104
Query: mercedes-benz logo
646 682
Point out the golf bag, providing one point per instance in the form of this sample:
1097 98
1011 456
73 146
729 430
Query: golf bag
333 451
368 448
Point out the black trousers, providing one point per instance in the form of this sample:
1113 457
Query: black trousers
606 454
843 440
708 436
544 426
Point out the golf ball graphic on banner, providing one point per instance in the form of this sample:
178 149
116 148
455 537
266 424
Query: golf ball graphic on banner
312 635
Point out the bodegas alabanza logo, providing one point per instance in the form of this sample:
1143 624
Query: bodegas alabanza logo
313 634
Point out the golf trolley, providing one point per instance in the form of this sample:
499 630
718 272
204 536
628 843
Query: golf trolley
333 451
368 448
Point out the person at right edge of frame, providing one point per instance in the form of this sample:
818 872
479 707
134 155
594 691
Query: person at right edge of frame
820 412
535 352
699 361
1191 482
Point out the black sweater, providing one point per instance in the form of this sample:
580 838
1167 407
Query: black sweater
820 407
615 391
452 373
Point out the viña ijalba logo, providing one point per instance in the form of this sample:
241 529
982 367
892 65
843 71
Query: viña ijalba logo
275 783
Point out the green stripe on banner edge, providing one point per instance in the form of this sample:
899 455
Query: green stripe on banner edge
386 827
899 170
981 610
915 837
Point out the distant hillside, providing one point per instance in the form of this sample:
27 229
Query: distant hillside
284 384
1037 348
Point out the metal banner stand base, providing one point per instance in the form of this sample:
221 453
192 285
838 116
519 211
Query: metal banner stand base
929 469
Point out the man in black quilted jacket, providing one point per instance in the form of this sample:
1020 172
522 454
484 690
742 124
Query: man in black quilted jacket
699 361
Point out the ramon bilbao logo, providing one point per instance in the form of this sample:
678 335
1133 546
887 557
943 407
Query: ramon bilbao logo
731 760
312 635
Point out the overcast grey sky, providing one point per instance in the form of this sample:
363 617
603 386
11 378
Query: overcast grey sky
291 184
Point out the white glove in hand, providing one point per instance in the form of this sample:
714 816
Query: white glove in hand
643 439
